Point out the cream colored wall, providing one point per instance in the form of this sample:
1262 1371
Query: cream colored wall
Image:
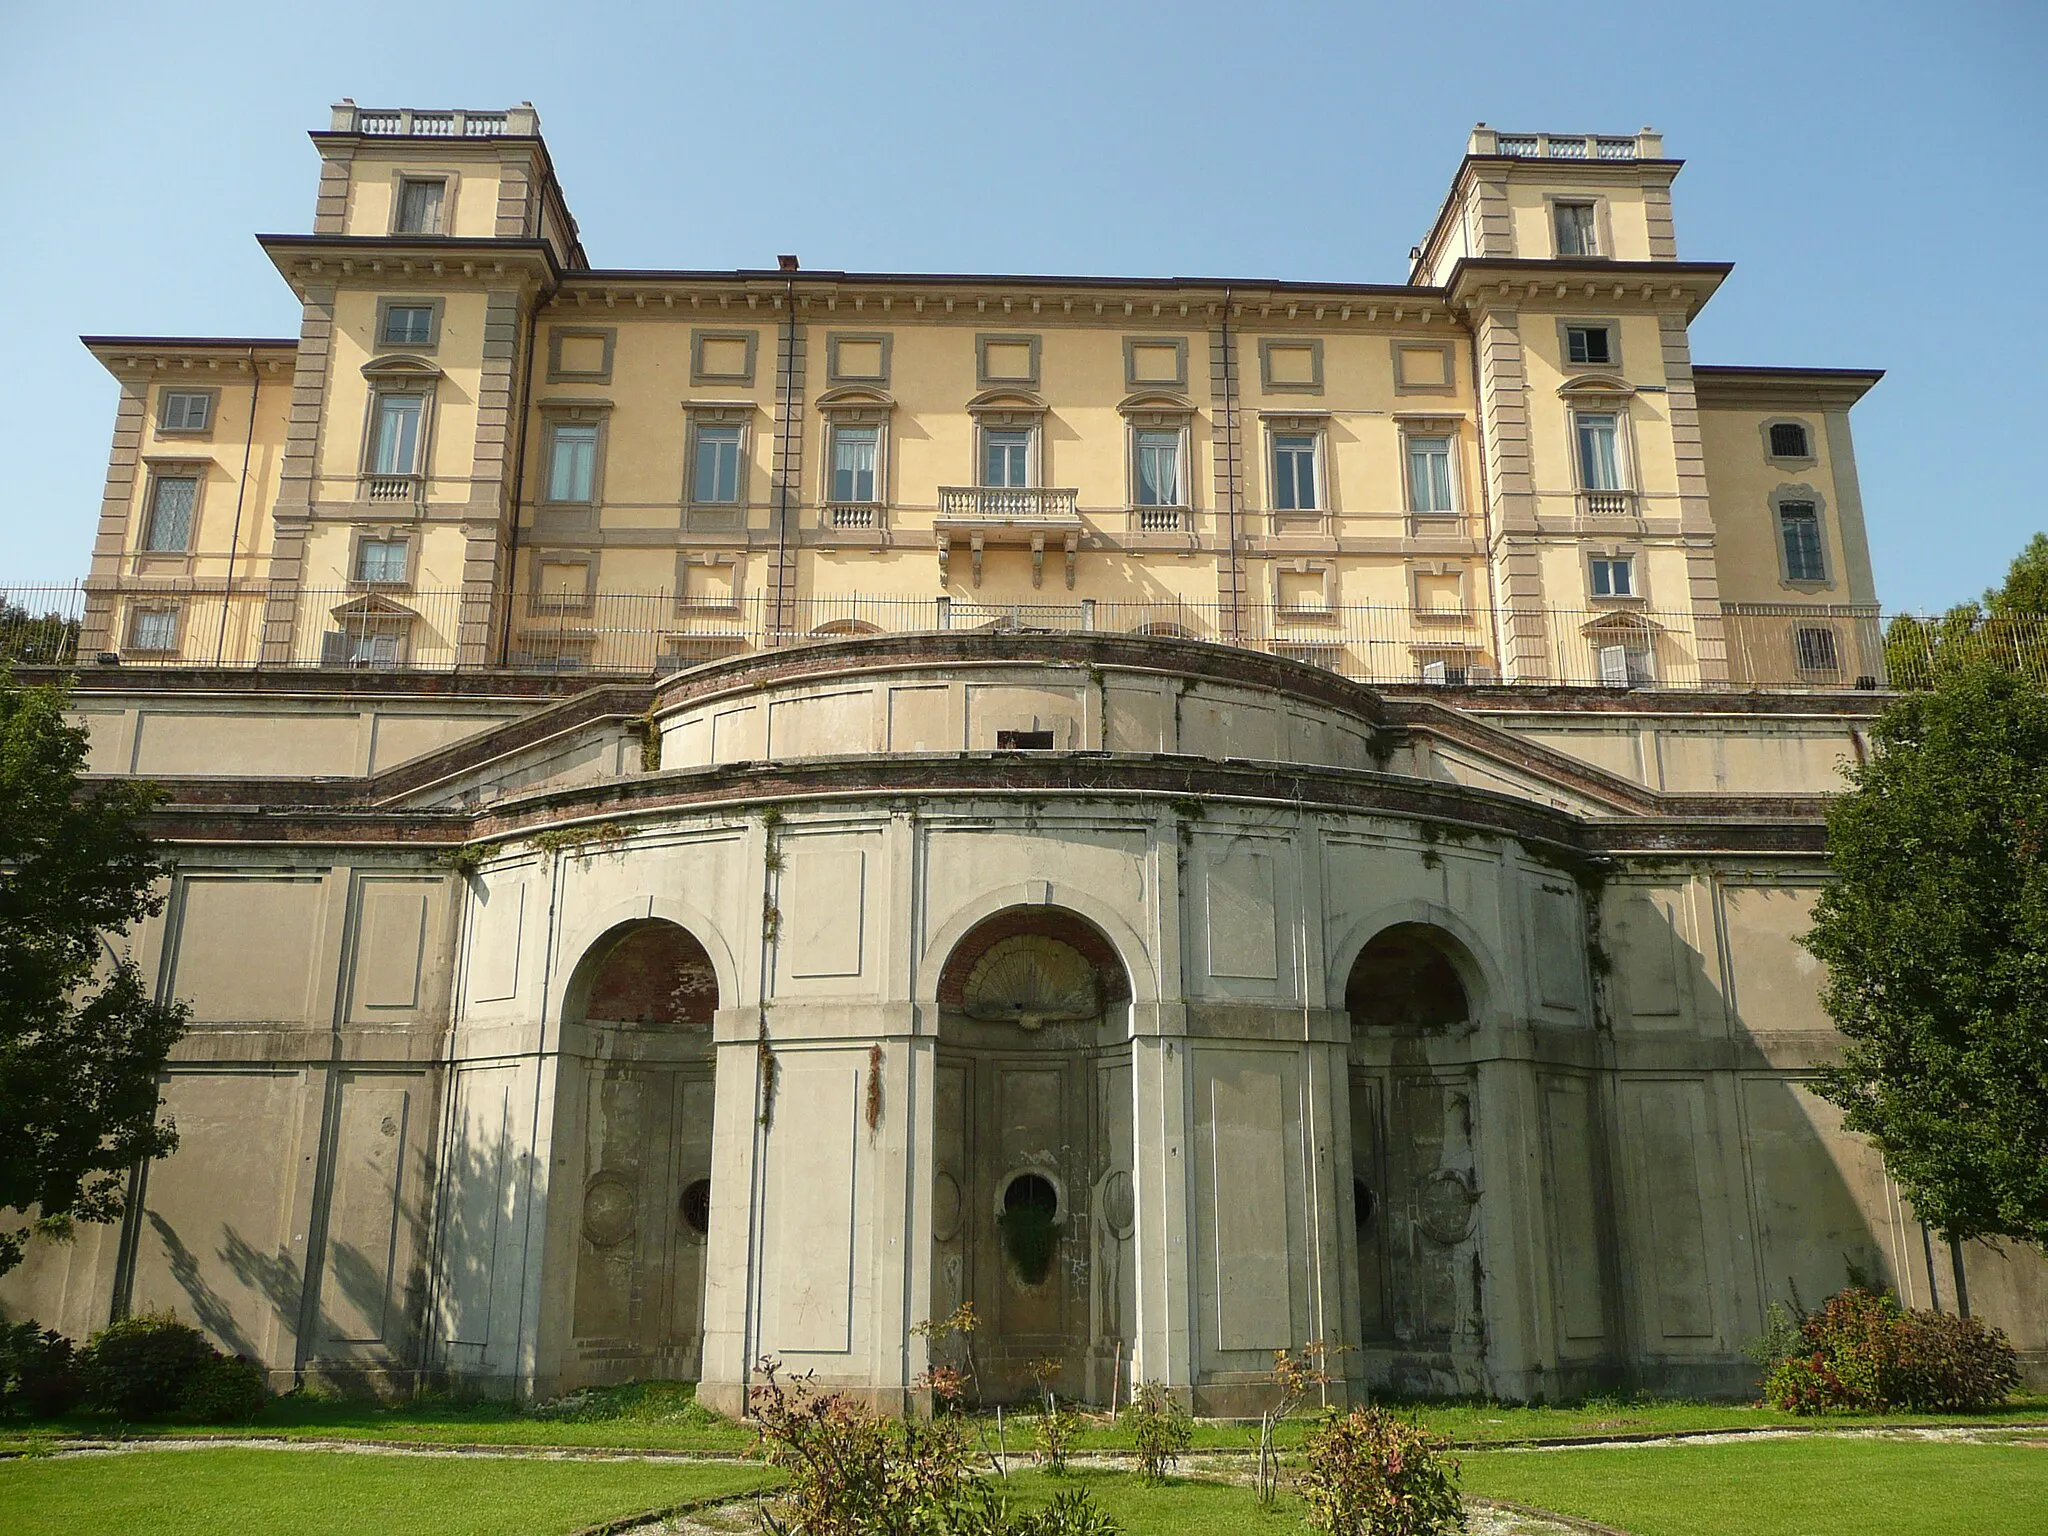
373 180
1529 197
1741 480
452 446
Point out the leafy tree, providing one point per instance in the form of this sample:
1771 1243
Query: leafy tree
36 639
1935 936
2009 628
82 1042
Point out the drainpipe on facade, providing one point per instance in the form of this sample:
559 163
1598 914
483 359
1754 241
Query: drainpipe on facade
779 617
1500 660
227 591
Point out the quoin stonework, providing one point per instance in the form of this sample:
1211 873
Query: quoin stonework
725 814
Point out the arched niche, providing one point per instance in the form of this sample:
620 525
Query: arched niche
634 1133
1033 1204
1413 996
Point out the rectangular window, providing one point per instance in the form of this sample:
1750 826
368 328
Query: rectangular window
1799 523
371 648
1816 650
854 452
153 629
1006 458
380 562
184 410
1575 236
1788 440
1159 469
409 325
1625 666
171 501
1587 344
572 463
1599 464
1429 474
718 466
395 447
1294 472
419 206
1614 577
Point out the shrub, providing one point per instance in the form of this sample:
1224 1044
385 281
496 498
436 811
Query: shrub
1372 1473
1055 1429
38 1371
1160 1430
143 1365
1860 1351
228 1389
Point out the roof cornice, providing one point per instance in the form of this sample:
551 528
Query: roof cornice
1739 385
305 258
1487 281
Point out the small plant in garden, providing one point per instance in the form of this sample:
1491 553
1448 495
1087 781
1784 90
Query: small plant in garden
1296 1375
1056 1430
38 1371
1372 1473
143 1365
1860 1351
1161 1429
950 1384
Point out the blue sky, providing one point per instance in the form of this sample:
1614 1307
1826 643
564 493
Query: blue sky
1874 171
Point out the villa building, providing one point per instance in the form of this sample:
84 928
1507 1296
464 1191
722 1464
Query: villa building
708 803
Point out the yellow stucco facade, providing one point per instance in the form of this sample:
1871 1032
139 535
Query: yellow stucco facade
481 450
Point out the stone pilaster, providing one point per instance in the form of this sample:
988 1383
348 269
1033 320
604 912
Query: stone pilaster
1695 514
1227 450
1503 386
117 505
517 215
298 475
486 577
330 207
786 481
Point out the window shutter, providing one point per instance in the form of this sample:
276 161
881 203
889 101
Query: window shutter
1434 672
334 649
1614 671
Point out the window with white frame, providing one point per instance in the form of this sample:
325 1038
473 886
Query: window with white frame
420 203
1799 535
1599 443
381 562
370 648
1576 235
185 410
395 433
1588 344
168 528
856 461
716 481
572 461
153 630
1296 485
1429 475
1626 664
1158 478
1613 575
1006 457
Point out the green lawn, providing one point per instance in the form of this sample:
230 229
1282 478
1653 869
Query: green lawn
1807 1487
313 1493
662 1416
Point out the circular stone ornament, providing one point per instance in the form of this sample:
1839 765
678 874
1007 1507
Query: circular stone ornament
946 1205
608 1215
1444 1205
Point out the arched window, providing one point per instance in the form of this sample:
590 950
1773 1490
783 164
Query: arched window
1405 979
653 973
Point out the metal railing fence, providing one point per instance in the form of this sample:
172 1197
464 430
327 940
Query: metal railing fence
1772 646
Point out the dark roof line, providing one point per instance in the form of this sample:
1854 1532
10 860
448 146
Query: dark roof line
189 342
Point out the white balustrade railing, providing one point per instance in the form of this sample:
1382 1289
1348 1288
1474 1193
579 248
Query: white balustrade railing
1009 504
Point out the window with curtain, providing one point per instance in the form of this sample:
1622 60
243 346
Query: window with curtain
854 453
1006 457
1429 474
380 561
419 206
1599 460
1799 525
1575 235
572 464
718 466
1294 472
1159 469
169 531
395 446
153 629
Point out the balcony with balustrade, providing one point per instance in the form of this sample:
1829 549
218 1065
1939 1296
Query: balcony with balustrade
1028 515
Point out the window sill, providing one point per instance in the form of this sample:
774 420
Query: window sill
1305 615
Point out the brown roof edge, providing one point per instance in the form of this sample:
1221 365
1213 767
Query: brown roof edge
190 343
